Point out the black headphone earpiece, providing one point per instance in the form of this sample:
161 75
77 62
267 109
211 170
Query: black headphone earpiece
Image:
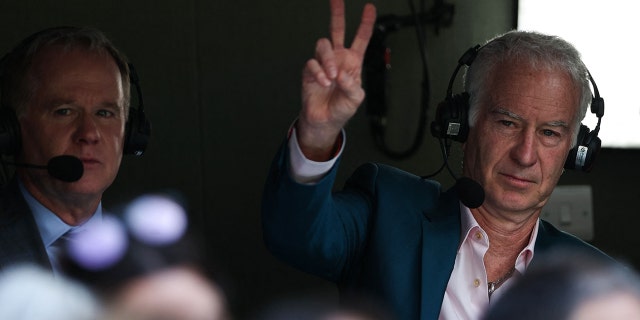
451 120
588 145
583 155
138 127
10 140
452 115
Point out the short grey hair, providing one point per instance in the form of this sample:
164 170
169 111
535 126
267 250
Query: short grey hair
535 49
17 82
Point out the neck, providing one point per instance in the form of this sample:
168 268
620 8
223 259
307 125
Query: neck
507 238
73 214
72 208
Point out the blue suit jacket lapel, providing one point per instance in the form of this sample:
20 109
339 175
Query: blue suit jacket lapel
441 230
19 236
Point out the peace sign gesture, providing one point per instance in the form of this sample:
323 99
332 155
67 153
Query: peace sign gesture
332 84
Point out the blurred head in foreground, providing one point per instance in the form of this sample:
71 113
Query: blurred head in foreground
144 266
568 285
321 308
28 291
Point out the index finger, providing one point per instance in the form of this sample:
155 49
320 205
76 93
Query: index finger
337 25
365 30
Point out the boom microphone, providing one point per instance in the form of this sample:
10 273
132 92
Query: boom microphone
470 192
65 167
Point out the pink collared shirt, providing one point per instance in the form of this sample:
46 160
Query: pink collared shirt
467 294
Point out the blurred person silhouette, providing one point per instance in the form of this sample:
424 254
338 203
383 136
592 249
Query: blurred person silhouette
144 264
571 285
322 308
65 107
173 293
29 291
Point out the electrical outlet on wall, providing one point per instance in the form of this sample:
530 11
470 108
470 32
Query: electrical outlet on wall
570 209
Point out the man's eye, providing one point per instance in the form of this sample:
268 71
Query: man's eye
105 113
62 112
506 123
549 133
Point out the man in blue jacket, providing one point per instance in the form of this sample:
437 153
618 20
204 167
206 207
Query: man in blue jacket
400 239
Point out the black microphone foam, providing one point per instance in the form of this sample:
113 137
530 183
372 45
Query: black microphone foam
470 192
66 168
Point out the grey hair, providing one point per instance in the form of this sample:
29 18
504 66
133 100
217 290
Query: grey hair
17 82
528 48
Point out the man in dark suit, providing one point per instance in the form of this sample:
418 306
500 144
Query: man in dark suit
400 239
65 91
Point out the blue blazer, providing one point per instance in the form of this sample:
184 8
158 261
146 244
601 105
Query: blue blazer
388 235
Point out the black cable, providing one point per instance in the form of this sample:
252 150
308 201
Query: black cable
444 146
380 126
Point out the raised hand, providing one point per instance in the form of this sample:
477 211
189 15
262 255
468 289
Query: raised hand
332 84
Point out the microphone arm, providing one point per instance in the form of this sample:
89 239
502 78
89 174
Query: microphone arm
64 167
470 192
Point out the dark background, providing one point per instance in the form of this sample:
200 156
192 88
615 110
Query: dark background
221 84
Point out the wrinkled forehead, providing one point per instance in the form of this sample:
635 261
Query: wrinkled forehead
41 66
511 70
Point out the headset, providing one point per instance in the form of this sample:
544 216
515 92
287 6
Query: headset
452 120
137 127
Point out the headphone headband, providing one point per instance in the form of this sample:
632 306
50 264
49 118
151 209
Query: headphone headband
451 120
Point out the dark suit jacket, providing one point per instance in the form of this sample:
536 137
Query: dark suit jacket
20 240
388 234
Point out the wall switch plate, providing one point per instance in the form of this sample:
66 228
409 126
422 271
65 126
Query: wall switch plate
570 209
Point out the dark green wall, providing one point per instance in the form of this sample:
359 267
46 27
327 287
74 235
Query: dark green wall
221 86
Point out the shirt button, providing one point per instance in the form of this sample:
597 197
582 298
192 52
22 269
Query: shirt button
476 283
478 235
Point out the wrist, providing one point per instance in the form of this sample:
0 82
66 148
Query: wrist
318 143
